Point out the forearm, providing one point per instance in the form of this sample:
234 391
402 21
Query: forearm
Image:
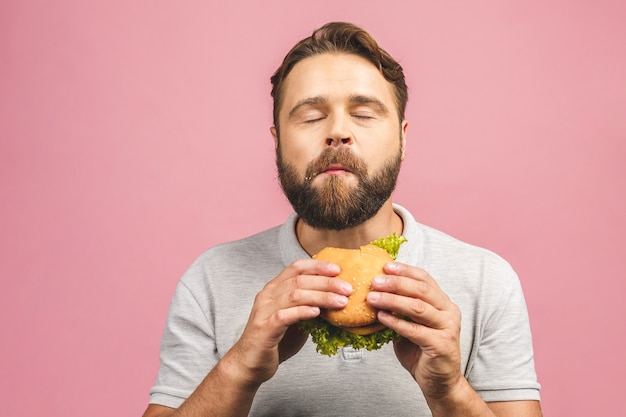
462 401
222 393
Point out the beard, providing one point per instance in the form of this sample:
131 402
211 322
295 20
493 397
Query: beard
335 205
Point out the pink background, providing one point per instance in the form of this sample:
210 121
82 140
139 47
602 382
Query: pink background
134 135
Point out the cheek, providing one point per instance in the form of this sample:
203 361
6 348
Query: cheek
381 147
297 158
297 152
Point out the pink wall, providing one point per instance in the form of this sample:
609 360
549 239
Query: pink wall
134 135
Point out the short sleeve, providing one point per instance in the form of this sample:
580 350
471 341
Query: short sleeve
187 350
504 369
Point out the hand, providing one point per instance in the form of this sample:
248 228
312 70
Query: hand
271 334
430 348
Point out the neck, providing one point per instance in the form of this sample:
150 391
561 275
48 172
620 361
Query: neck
384 223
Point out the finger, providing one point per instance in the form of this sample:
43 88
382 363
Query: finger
304 291
306 297
299 292
437 344
419 334
288 316
309 274
403 327
419 274
310 267
414 309
272 327
319 283
419 288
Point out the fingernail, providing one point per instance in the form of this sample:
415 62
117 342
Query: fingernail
346 288
378 280
373 296
393 266
341 300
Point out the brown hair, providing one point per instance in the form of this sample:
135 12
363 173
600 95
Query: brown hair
340 37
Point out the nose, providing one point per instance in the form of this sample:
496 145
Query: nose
339 134
338 141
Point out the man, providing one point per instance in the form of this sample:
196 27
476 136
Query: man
231 345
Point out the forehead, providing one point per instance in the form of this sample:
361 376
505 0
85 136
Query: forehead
335 77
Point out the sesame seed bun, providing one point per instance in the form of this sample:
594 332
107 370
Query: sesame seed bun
358 268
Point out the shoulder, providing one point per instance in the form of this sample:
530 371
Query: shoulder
259 244
442 246
244 262
456 264
255 248
428 245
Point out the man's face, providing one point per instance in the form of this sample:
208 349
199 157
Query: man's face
340 143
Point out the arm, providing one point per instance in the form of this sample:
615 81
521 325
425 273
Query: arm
464 401
235 397
268 339
516 408
498 409
430 348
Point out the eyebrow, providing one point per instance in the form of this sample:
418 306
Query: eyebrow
311 101
353 99
371 101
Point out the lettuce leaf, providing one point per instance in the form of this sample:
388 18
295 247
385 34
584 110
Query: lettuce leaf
329 339
391 244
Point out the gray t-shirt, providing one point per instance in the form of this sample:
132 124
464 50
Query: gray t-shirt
212 302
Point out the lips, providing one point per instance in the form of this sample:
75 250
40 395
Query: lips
335 169
335 163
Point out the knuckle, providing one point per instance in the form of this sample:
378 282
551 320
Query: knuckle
281 317
269 286
389 283
421 274
298 265
414 331
450 338
418 307
422 288
331 299
453 322
457 313
332 283
259 298
298 280
295 296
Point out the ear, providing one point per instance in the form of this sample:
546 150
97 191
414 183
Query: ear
403 130
274 133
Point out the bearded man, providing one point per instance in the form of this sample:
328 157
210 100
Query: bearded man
232 345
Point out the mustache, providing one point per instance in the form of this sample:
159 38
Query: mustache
342 156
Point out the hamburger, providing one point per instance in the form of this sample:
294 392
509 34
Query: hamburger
356 324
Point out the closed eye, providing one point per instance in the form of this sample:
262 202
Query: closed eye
313 119
363 116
